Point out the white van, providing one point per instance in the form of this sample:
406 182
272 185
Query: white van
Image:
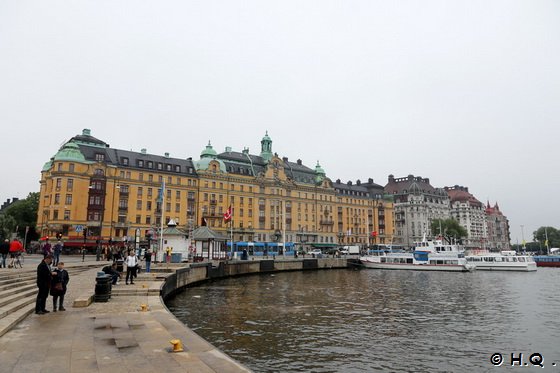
350 250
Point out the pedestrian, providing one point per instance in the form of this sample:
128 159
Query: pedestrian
44 276
168 256
112 271
15 250
47 249
59 284
4 251
131 263
57 250
148 259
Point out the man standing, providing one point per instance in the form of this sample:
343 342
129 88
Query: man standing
44 277
4 250
148 259
57 250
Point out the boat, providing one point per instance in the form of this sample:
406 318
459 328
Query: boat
428 255
506 260
550 260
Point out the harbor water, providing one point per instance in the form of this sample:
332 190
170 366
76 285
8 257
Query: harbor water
380 320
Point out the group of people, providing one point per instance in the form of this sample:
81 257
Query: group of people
14 249
132 266
51 280
53 251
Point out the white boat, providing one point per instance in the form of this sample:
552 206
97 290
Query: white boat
428 255
502 261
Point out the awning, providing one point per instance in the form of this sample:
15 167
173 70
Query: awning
259 244
241 243
271 244
317 244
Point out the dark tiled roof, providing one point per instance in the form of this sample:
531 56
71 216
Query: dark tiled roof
130 159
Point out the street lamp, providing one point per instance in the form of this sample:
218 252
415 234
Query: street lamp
115 186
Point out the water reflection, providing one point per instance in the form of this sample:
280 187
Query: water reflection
361 321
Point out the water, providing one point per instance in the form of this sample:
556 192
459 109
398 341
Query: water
376 320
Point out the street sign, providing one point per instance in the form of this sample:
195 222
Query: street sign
79 228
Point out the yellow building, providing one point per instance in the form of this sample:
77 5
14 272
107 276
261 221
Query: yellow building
116 194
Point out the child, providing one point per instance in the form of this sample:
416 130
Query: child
58 286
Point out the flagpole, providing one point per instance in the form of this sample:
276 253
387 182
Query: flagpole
162 217
231 233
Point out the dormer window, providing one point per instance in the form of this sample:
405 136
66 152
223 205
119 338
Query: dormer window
168 167
150 164
99 157
140 163
177 168
160 166
124 161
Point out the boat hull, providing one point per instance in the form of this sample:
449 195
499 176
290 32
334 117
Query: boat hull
529 267
418 267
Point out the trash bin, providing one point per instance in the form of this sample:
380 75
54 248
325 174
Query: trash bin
102 287
176 257
120 265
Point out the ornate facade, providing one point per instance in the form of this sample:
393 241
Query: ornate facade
470 213
114 194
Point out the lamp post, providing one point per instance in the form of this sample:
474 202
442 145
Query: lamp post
522 237
115 187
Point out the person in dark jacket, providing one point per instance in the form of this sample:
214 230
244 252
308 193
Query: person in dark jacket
4 251
112 271
44 277
59 285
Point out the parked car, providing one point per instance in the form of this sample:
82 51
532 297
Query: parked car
316 253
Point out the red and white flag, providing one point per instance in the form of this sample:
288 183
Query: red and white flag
228 214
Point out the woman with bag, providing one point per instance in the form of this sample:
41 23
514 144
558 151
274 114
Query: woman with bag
131 263
59 285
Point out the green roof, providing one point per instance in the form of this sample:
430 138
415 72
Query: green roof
70 152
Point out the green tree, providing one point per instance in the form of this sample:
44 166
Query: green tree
450 229
7 226
552 233
24 213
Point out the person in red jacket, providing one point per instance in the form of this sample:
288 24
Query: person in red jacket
15 249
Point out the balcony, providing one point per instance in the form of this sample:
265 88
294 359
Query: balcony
262 218
213 202
327 222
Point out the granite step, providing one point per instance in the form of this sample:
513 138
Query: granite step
17 305
7 293
12 319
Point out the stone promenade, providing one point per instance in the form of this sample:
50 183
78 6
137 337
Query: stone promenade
116 336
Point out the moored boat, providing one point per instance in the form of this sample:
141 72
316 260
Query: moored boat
503 261
547 260
428 255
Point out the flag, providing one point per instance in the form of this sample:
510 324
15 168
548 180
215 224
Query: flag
228 214
546 243
161 192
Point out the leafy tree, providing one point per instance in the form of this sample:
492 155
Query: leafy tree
24 213
7 226
450 229
553 235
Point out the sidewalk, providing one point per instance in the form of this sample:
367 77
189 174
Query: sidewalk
108 337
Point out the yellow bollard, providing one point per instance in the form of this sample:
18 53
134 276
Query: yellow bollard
177 345
143 307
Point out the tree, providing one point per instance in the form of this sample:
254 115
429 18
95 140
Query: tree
553 235
450 229
7 226
24 213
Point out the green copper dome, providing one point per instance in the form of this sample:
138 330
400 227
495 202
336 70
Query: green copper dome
209 152
319 170
266 148
208 155
70 152
47 166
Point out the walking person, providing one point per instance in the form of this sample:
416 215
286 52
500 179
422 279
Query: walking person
4 251
57 250
59 285
44 277
131 263
148 259
47 249
15 250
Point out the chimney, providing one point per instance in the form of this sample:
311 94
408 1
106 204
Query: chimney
370 181
166 155
349 182
338 181
358 182
86 132
228 149
285 159
299 162
143 151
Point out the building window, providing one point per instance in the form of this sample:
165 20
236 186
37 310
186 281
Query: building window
121 174
160 166
138 219
141 176
160 179
99 157
168 167
58 183
151 178
55 215
168 193
59 167
139 205
69 184
56 198
68 199
98 172
149 192
66 214
150 164
178 194
71 167
177 168
148 220
149 205
140 163
139 192
177 207
124 161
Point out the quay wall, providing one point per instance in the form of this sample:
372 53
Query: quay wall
199 272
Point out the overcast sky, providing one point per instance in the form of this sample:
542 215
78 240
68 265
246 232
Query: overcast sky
461 92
